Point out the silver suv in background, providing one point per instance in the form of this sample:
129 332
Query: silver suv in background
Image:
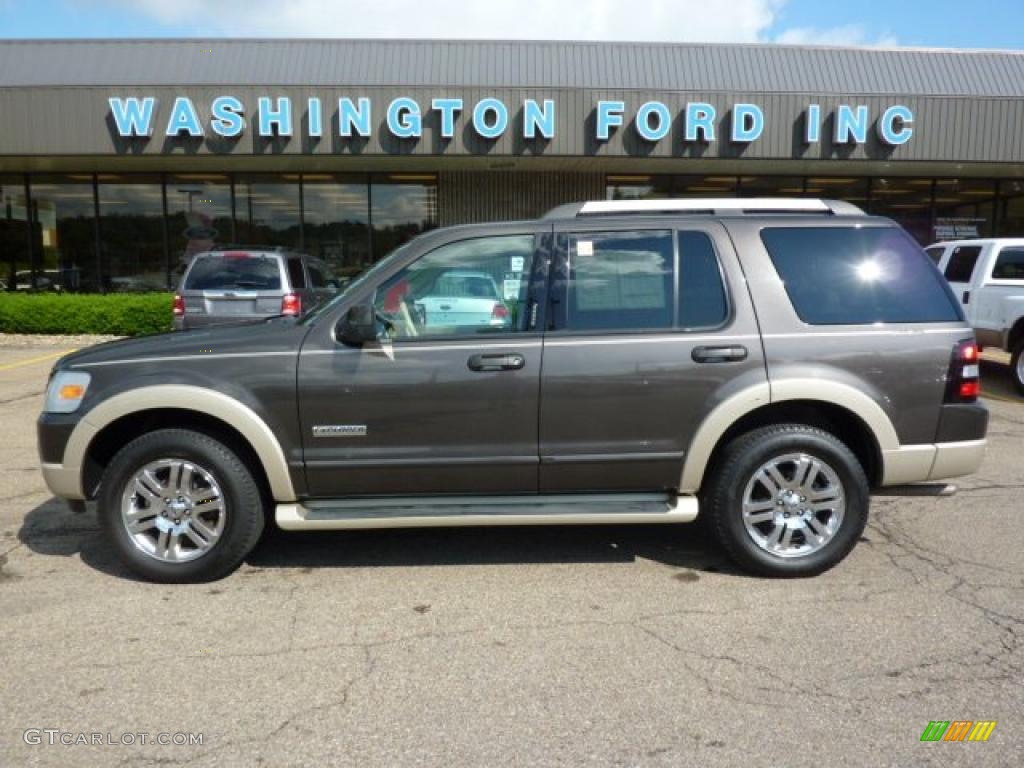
247 283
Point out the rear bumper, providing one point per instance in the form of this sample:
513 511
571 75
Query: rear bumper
938 461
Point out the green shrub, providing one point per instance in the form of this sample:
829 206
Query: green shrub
117 314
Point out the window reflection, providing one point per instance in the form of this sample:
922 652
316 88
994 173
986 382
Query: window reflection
336 226
401 207
198 216
267 211
132 233
64 235
13 231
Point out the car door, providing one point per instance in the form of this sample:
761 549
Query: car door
643 339
432 408
960 267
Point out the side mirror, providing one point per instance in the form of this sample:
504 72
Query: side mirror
358 326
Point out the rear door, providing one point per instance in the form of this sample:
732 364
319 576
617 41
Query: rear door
644 339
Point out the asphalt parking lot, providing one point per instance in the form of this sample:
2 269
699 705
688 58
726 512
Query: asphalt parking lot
555 646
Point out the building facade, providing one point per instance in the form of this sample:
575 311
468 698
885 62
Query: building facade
120 159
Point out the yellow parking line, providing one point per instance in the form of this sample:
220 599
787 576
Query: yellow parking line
32 360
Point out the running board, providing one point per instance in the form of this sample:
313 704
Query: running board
444 511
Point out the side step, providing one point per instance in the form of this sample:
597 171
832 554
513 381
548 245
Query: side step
444 511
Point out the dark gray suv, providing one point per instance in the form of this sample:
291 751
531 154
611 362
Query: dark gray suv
764 363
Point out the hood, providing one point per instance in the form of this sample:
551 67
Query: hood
273 335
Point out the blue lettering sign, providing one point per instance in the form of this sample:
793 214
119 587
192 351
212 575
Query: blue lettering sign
279 117
447 108
490 118
747 123
132 116
812 124
184 118
352 119
314 116
851 124
404 119
643 121
700 118
609 115
894 126
537 118
227 117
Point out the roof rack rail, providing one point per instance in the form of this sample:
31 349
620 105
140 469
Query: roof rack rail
707 206
248 247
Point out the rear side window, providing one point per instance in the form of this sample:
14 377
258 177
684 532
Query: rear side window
242 271
935 254
620 280
317 277
295 274
702 301
1009 265
858 276
961 263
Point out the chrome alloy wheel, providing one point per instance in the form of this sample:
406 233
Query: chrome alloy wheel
173 510
1020 368
793 505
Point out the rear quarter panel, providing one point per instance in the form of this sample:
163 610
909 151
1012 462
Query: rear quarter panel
902 367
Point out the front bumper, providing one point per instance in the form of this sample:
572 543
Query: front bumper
53 431
63 482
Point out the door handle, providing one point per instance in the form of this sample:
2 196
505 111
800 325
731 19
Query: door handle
967 297
510 362
733 354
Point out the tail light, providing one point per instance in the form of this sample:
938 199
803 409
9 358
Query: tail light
291 304
964 383
178 308
500 312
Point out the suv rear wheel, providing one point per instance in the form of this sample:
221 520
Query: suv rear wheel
1017 366
180 507
787 500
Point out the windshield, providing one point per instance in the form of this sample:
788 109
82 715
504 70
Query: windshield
223 271
358 282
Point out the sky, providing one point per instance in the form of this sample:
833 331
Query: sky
921 23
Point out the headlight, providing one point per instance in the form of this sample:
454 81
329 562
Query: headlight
66 391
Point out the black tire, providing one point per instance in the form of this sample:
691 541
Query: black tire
722 499
1017 367
243 502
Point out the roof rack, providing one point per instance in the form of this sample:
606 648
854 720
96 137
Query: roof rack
707 206
248 247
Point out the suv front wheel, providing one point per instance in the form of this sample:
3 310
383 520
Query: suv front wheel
787 500
180 506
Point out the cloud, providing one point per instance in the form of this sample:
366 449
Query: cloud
653 20
847 35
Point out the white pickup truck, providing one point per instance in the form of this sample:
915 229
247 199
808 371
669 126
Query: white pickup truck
987 277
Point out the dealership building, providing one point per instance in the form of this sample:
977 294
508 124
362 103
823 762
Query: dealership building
119 159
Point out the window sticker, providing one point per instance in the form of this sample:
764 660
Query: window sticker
584 247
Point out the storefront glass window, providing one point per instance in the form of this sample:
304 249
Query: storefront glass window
638 187
849 189
1012 219
401 207
771 186
336 226
64 234
964 208
267 211
198 216
13 232
908 202
704 186
132 233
